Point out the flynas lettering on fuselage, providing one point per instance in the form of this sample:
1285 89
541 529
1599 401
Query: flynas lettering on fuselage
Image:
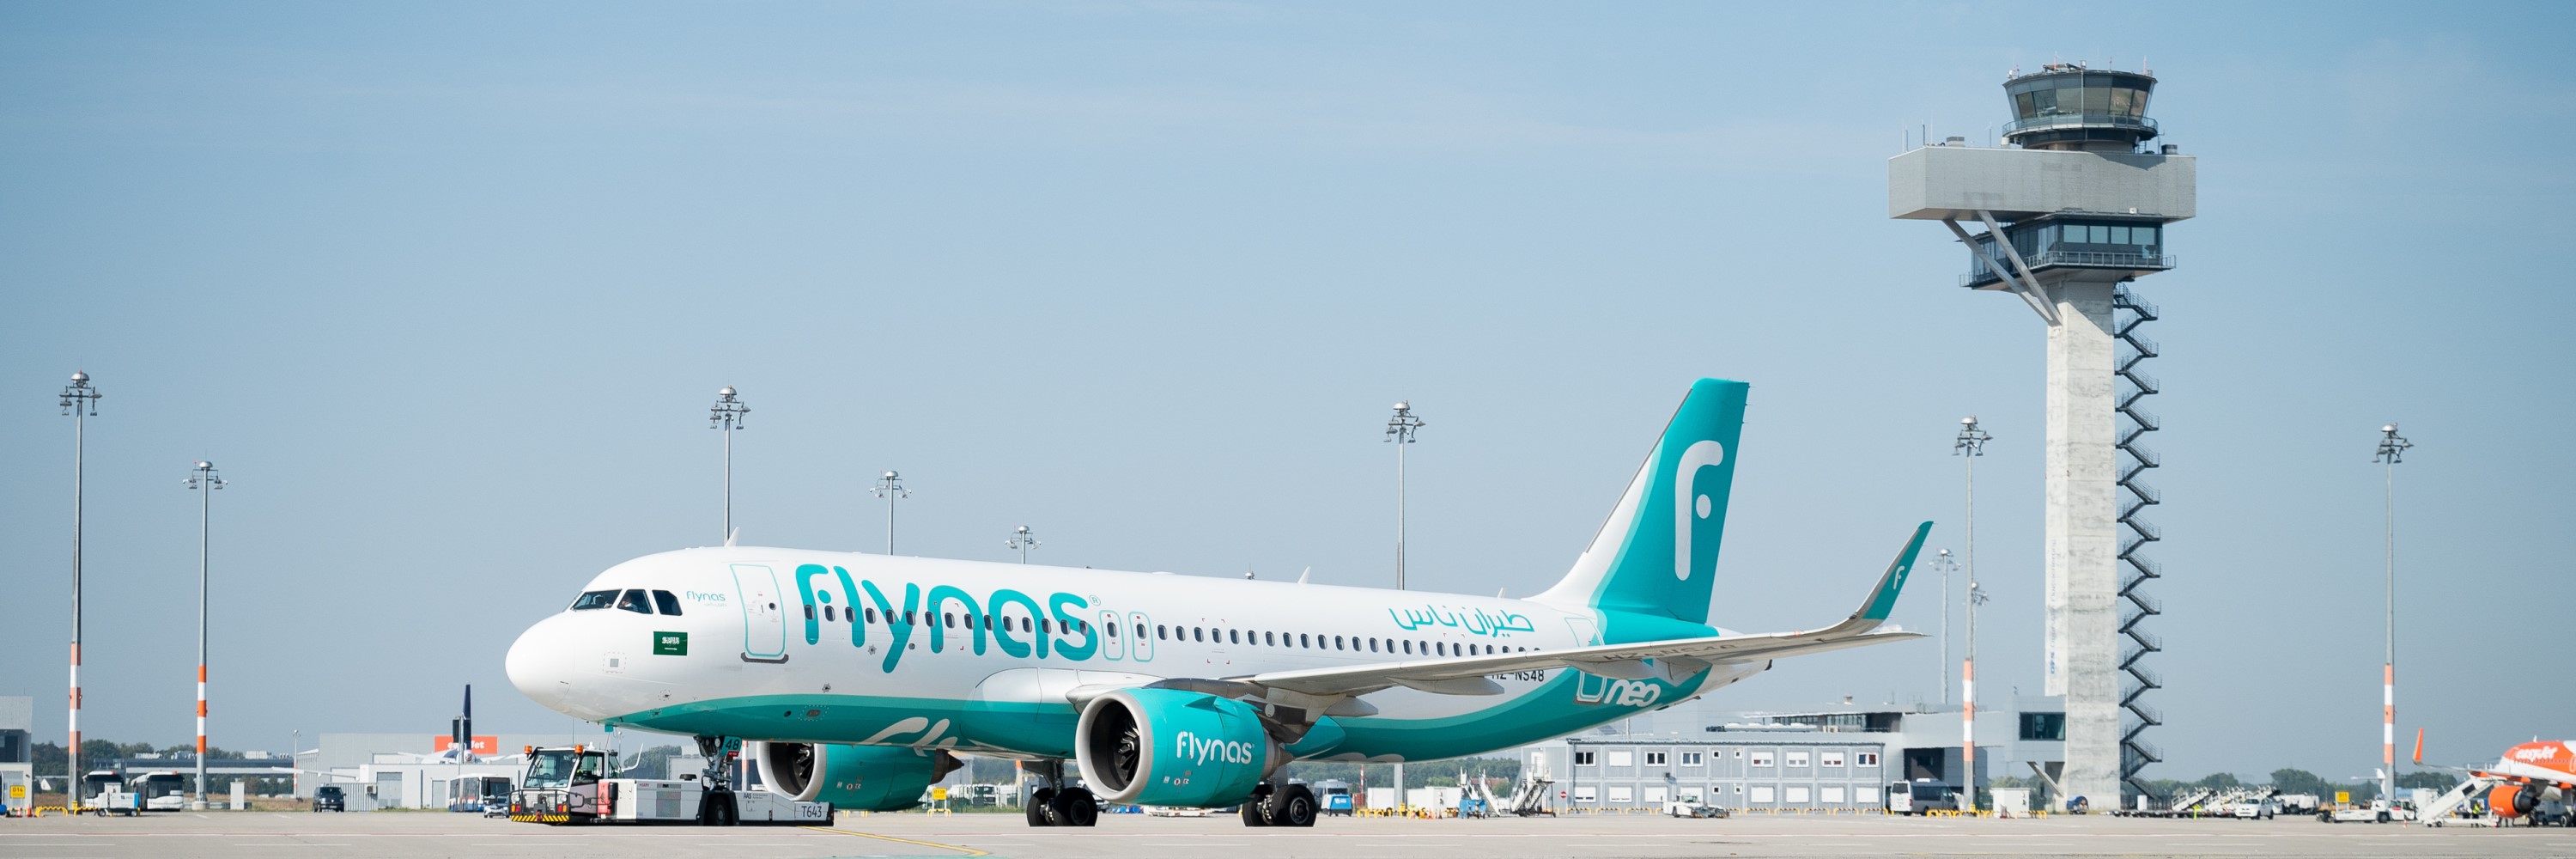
1057 632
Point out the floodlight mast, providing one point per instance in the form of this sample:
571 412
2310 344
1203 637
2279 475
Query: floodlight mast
890 488
1022 540
1400 429
1947 565
1968 446
80 401
203 480
727 414
2392 450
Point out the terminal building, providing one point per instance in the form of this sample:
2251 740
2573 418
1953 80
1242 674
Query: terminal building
17 752
1839 758
404 770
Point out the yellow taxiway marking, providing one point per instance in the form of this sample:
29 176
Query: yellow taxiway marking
965 850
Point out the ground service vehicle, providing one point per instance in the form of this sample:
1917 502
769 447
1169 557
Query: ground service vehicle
488 794
1335 795
1693 809
579 785
2378 811
108 794
330 798
1920 796
1166 690
2258 808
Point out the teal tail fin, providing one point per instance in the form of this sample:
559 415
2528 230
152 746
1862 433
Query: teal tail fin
1657 553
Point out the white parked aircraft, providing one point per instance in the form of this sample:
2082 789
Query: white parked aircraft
854 676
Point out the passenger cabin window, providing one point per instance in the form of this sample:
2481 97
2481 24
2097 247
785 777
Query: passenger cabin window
635 601
594 599
669 604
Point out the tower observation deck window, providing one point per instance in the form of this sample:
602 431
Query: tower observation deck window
2078 242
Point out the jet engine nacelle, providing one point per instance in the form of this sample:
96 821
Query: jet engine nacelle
859 778
1172 747
2510 801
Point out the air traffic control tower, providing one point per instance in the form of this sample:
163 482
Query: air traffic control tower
2079 196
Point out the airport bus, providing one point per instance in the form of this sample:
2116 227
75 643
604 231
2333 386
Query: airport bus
161 791
1920 796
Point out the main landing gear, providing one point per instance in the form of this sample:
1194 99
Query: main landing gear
1271 805
1058 805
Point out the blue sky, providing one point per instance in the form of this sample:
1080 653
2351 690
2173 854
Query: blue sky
445 290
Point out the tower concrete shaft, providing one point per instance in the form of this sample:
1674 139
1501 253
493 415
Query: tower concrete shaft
2081 532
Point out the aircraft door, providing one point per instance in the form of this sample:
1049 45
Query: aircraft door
1114 646
764 626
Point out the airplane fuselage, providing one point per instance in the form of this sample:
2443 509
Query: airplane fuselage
829 647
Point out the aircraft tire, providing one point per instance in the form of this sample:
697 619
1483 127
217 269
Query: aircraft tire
1295 806
1041 805
1078 807
718 810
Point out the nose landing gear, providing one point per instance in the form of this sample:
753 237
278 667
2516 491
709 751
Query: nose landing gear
716 807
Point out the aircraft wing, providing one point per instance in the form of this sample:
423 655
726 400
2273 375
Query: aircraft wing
1673 660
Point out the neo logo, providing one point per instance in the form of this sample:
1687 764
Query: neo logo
1590 689
1689 505
1199 750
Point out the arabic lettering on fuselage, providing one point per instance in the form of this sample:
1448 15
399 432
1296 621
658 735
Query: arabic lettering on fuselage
1067 637
1473 621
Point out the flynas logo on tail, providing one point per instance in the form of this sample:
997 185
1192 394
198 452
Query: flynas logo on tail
1692 509
1653 560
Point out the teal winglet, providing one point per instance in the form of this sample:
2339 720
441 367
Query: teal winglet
1882 600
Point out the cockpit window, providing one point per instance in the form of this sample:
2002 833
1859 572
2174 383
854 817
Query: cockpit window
594 599
670 604
635 601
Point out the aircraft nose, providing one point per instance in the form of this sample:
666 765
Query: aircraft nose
539 664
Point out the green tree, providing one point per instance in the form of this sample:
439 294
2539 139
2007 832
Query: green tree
2431 779
2301 781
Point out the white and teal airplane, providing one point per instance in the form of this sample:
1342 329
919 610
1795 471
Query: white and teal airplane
855 679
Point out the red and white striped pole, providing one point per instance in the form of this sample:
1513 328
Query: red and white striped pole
205 481
80 401
1968 720
2392 450
1970 444
2388 729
